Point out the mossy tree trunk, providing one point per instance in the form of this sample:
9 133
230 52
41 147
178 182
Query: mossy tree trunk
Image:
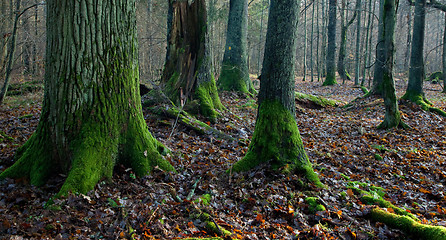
234 74
392 116
330 79
187 72
414 91
343 73
276 137
91 118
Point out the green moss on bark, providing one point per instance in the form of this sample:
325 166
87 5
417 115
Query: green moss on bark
409 225
233 79
330 80
277 140
207 94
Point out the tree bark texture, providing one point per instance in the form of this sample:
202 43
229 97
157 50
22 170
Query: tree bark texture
234 73
414 89
91 118
392 116
5 30
276 136
187 72
330 78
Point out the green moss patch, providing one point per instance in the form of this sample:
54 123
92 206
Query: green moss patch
375 195
313 205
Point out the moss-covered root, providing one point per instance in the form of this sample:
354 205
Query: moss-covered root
34 162
364 90
373 198
233 79
421 101
277 139
142 152
207 95
406 224
330 80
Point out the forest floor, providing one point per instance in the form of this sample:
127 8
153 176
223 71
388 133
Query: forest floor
342 144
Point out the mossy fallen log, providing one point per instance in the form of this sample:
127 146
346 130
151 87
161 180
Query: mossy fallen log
317 102
408 225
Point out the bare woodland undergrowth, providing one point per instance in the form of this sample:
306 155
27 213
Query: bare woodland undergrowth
345 147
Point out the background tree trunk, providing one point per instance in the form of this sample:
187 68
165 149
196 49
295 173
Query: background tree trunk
5 32
276 136
444 55
187 72
358 42
330 78
343 73
234 73
91 118
380 60
414 91
392 116
11 53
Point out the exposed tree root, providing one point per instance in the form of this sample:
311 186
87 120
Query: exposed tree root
161 105
409 225
423 103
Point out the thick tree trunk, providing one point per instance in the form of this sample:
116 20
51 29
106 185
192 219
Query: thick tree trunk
414 91
91 118
276 137
392 117
234 72
187 72
330 78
